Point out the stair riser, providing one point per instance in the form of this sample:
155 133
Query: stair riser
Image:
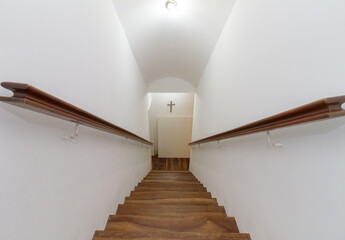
161 182
167 194
171 179
169 214
159 189
170 185
176 201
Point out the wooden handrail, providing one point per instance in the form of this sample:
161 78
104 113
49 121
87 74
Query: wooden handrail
319 110
34 99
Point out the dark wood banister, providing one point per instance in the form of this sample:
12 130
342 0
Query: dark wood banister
31 98
319 110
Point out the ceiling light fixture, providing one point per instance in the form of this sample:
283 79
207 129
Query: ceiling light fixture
171 4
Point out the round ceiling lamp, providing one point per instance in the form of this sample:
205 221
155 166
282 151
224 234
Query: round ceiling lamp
171 4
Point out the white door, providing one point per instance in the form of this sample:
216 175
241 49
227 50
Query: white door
174 134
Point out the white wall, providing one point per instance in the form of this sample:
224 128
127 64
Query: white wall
171 85
75 50
184 105
273 56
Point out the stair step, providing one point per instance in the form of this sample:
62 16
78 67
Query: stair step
176 201
200 224
159 189
167 194
171 179
170 205
170 184
170 210
170 174
115 235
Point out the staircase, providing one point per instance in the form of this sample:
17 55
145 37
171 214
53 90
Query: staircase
170 205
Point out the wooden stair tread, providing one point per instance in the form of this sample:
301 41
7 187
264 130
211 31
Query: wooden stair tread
177 201
155 207
116 235
170 210
182 175
182 224
170 184
188 181
164 171
171 205
175 189
171 179
176 180
171 176
167 194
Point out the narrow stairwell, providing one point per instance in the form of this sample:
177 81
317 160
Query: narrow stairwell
170 205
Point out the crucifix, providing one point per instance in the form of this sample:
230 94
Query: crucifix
171 105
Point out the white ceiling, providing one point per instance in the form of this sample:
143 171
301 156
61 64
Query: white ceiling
174 43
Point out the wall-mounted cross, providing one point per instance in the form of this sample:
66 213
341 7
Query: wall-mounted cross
171 105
